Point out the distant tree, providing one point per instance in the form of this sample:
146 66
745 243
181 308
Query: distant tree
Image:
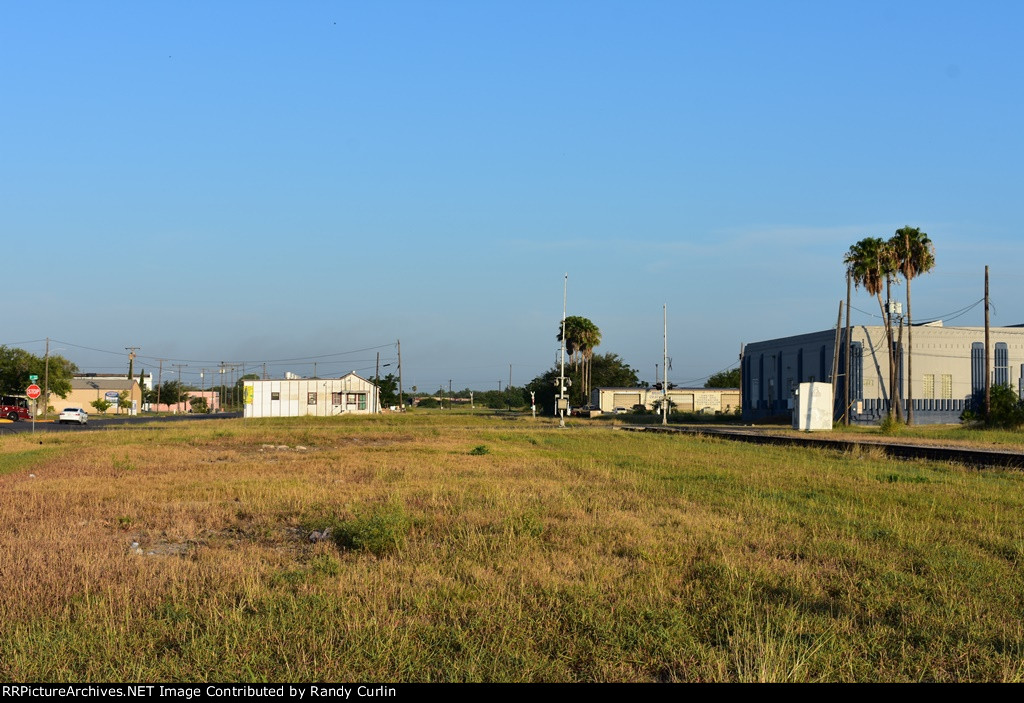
915 254
607 370
199 405
169 393
101 405
871 263
124 401
724 379
388 388
581 336
16 365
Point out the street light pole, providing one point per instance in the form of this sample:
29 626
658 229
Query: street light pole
562 400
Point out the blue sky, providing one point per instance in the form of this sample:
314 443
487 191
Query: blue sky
265 180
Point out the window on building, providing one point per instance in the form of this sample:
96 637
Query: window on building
336 398
1002 369
947 386
311 398
928 386
362 401
275 395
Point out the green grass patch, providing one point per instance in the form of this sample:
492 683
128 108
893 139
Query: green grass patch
379 530
25 460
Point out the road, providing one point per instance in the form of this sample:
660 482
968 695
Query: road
105 423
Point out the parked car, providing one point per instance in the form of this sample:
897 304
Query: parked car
73 415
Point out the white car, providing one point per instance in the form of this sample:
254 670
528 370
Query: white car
73 415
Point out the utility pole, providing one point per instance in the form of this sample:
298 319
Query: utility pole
449 394
179 367
988 364
159 380
131 361
46 379
846 375
376 379
264 371
835 359
664 368
562 401
401 399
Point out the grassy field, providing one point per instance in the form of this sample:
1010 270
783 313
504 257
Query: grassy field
469 548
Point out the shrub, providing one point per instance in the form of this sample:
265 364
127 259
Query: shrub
1006 409
480 450
380 531
891 424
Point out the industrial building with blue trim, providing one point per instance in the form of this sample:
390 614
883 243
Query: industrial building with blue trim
948 367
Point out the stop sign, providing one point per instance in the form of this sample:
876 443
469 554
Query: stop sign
34 391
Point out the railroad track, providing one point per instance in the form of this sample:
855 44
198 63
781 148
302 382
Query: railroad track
975 458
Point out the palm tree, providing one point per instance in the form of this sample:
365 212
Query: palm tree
871 265
915 254
581 336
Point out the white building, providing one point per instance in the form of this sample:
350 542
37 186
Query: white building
684 400
321 397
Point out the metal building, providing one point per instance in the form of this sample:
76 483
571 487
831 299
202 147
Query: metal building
350 394
948 367
685 400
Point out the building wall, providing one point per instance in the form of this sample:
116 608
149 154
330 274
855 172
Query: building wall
320 397
686 399
212 400
82 397
948 366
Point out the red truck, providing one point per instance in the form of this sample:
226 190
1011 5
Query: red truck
14 408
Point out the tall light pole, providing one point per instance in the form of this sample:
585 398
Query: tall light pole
563 402
664 369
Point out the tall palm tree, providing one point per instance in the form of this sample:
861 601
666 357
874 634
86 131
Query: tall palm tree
581 336
590 338
871 265
915 254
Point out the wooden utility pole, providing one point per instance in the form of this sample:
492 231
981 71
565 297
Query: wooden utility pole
401 399
159 380
988 356
179 367
835 357
846 374
46 379
131 361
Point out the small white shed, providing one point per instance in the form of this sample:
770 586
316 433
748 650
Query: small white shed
322 397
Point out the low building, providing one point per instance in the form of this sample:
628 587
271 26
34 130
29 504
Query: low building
311 396
212 403
686 400
86 390
948 367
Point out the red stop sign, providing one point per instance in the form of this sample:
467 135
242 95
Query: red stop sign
33 391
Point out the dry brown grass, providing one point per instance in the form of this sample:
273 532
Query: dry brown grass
584 554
